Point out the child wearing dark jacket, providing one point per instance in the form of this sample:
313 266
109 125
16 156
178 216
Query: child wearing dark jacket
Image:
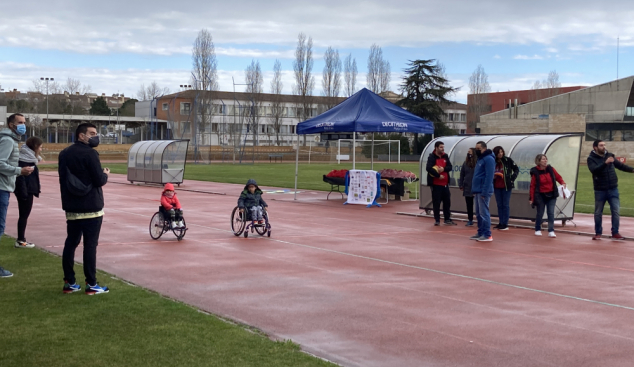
251 199
172 206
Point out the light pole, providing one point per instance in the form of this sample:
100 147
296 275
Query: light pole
47 121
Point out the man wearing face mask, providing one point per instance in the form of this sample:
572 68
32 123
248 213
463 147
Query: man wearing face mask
9 170
80 179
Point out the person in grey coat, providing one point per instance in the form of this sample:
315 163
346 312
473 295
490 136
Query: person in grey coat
9 170
466 180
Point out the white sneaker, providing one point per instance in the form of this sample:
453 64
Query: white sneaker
181 224
538 233
552 234
20 244
174 225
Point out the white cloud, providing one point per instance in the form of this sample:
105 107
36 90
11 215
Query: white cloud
497 57
551 50
525 57
148 28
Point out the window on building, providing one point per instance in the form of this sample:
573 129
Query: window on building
165 106
627 135
451 117
292 128
214 127
629 111
463 117
185 108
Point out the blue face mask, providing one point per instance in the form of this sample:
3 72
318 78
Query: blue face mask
21 129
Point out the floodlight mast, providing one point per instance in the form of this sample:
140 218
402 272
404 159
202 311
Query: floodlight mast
47 121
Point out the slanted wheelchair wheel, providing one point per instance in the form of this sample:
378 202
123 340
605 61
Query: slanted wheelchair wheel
157 224
238 221
180 232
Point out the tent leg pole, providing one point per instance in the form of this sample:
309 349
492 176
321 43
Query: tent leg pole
296 166
372 156
354 150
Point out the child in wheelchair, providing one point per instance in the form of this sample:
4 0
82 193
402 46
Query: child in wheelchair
171 207
251 200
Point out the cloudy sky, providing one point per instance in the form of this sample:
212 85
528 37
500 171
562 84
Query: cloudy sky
115 46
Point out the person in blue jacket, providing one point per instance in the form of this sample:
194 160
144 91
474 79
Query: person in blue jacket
482 188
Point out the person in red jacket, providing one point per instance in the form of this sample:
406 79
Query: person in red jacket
172 206
544 193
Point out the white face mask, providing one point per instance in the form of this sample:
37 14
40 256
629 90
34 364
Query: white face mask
169 194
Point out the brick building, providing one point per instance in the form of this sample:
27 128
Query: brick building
494 102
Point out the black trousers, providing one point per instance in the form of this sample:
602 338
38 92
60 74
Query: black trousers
24 207
441 194
89 229
469 201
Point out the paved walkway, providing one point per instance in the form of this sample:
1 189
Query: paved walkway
367 287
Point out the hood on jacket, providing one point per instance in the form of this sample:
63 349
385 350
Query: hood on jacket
486 152
251 182
168 187
8 132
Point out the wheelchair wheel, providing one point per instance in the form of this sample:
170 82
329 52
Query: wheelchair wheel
263 228
157 224
238 221
180 232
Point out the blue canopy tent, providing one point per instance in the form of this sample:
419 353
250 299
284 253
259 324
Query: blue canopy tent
363 112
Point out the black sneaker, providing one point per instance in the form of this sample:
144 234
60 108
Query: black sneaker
450 223
475 237
436 223
503 228
497 226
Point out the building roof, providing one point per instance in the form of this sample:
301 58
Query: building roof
241 96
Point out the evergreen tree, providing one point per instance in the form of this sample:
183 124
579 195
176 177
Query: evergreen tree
127 108
425 91
99 107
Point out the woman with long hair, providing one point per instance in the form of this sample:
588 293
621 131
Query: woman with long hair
27 187
544 193
465 181
506 172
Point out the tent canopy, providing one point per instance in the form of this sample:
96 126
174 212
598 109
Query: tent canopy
366 112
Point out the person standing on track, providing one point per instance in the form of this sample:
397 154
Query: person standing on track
506 172
438 169
80 179
27 187
602 165
466 180
482 188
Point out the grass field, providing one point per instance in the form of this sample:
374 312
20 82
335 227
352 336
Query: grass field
130 326
310 178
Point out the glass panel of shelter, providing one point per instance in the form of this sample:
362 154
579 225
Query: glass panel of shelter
524 155
459 154
563 156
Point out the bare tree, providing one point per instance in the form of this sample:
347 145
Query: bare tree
304 79
40 87
277 110
151 91
350 72
331 81
479 88
73 86
204 71
536 92
379 73
552 83
254 80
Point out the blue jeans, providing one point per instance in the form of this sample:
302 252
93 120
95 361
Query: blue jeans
4 206
547 205
612 197
483 214
503 199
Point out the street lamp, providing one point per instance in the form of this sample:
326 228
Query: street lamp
47 121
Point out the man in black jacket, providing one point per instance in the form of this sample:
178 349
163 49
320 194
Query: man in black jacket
602 164
438 169
80 179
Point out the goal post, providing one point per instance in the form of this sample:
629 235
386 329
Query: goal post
368 150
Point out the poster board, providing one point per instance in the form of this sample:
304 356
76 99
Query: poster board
362 187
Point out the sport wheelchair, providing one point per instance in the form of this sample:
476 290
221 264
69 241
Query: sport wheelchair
162 223
241 223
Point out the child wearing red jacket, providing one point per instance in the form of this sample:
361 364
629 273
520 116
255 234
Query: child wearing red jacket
172 206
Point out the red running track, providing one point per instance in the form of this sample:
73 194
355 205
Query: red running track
367 287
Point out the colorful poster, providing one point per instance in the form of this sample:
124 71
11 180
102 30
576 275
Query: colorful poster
362 187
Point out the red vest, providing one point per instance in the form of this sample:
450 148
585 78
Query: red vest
443 180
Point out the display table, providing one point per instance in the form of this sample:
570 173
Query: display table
397 187
336 183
